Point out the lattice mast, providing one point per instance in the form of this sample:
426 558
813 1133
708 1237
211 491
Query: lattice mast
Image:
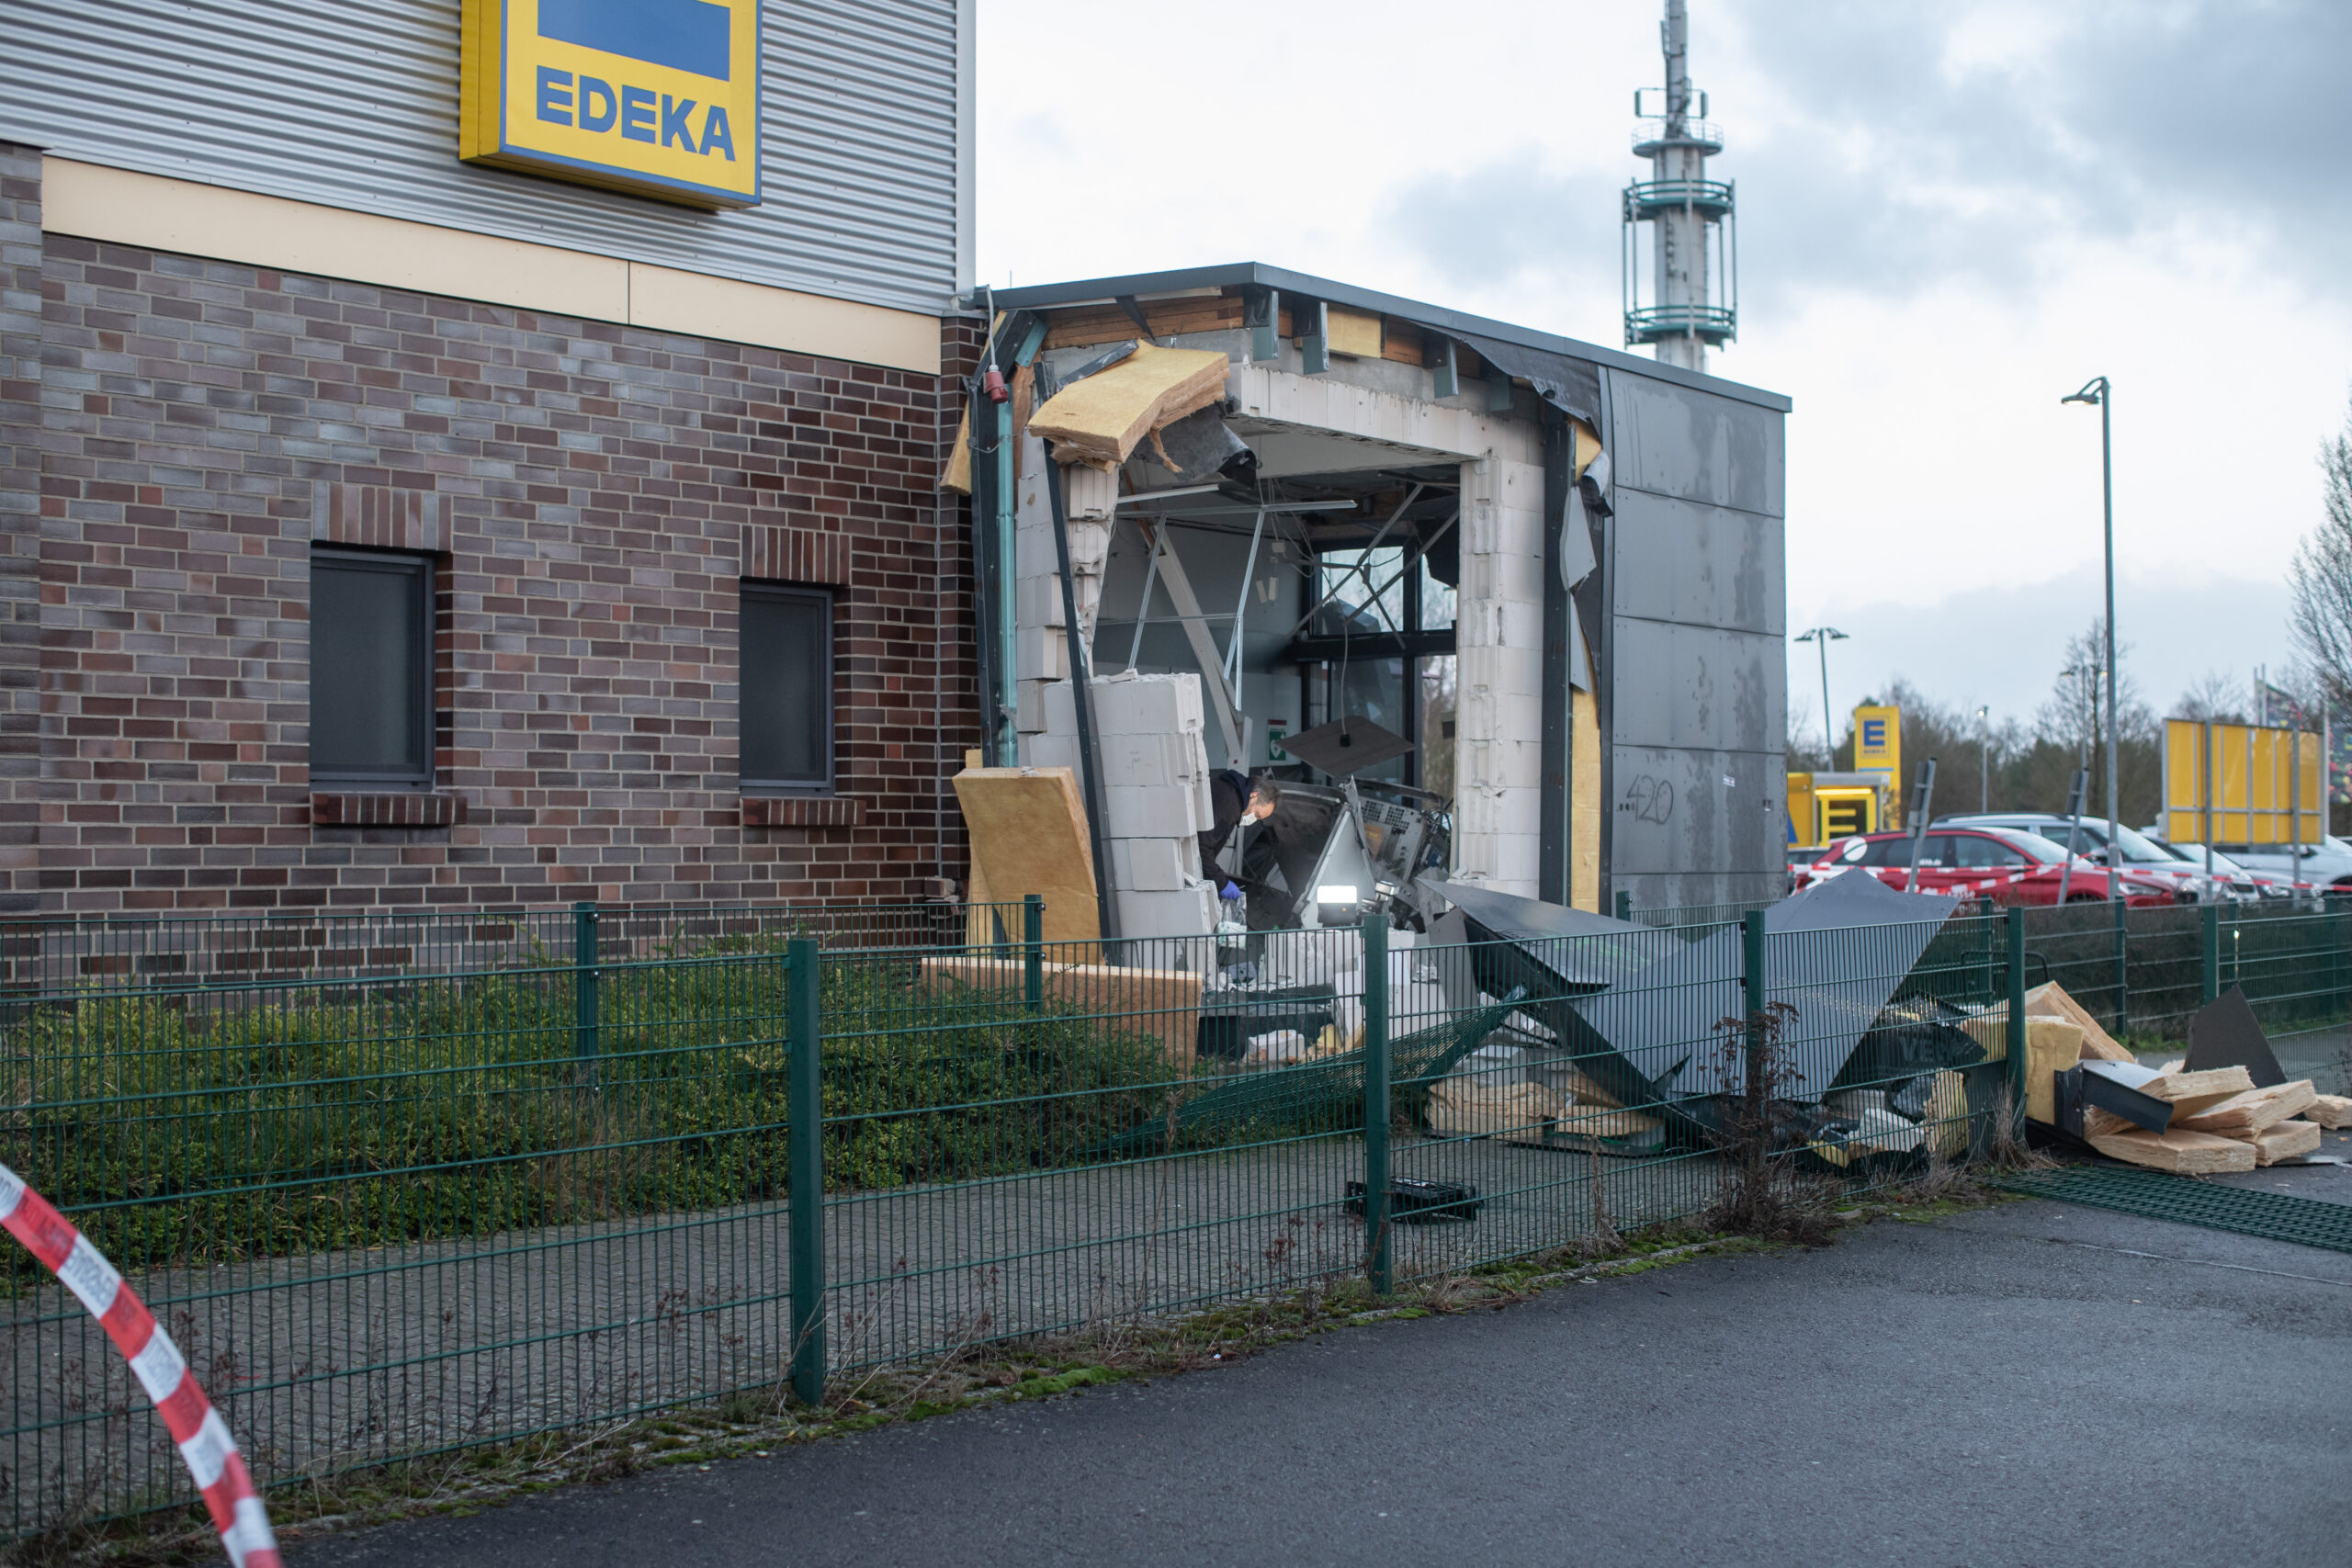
1693 243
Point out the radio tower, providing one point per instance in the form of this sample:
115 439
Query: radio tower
1694 245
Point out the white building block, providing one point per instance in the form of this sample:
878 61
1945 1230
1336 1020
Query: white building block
1155 865
1191 911
1160 813
1051 750
1040 654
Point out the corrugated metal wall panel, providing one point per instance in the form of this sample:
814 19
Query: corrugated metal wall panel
355 104
1696 674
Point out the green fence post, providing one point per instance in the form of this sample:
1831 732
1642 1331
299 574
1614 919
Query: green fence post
585 1045
2211 931
1379 1264
1624 904
1033 950
2014 930
2123 976
1751 965
805 1042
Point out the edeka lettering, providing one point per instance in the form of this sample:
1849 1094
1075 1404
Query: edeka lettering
655 98
600 107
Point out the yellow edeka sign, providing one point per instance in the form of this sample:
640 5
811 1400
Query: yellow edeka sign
658 97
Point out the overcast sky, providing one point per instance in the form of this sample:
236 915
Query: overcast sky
1949 216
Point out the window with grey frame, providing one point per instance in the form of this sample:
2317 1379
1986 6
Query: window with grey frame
786 705
372 670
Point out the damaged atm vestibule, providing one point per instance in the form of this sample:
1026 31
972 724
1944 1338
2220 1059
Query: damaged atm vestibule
1277 508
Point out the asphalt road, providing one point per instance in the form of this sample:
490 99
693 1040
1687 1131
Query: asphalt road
2032 1384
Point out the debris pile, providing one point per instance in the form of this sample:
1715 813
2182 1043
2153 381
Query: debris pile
2225 1107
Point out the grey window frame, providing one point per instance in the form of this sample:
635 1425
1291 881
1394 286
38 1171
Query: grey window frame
424 700
749 590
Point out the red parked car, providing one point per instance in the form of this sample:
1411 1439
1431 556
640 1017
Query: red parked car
2001 864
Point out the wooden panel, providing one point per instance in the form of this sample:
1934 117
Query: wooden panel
1089 324
1027 828
1401 342
1354 333
1584 803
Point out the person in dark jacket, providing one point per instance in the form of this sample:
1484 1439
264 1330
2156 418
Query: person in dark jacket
1234 799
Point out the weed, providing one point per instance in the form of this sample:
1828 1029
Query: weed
1763 1193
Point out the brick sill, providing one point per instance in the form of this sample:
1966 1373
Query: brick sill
385 809
803 810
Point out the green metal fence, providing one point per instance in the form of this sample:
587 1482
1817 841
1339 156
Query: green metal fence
635 1158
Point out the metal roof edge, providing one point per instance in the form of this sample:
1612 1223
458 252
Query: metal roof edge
1233 273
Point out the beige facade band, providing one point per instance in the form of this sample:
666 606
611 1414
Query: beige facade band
119 207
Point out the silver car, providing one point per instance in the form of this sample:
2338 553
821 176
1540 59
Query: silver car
2245 887
2324 867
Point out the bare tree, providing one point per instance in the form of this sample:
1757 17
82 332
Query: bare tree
2075 713
2215 697
2320 578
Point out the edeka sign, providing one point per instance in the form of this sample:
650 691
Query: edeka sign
659 98
1878 738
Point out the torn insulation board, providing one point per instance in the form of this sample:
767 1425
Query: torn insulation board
1102 419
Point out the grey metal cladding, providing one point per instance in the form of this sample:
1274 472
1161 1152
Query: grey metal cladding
1697 812
1698 686
353 104
1679 441
1679 561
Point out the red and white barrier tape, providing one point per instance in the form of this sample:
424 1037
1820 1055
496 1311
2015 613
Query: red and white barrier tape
203 1438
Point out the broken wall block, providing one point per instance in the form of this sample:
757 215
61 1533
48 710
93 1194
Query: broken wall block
1149 760
1040 653
1156 813
1154 865
1148 705
1190 911
1049 751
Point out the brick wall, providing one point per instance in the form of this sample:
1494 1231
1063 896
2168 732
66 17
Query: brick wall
20 331
593 493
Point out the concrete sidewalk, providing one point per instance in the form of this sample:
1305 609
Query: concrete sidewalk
2030 1384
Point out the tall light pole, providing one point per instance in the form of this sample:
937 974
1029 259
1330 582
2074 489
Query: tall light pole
2098 391
1984 759
1825 636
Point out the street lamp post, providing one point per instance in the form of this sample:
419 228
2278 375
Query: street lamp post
1825 636
1985 759
2098 391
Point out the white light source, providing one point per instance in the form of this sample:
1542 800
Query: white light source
1336 893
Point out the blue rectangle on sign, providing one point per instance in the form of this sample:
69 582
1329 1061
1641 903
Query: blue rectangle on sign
684 35
1873 732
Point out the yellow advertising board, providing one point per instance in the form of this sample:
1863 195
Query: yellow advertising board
2241 783
657 97
1878 741
1878 748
